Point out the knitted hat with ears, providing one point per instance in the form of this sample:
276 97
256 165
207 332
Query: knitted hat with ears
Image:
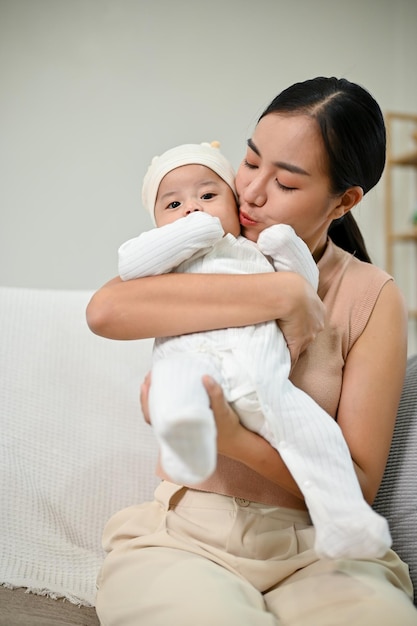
187 154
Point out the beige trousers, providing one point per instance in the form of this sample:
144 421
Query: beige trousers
191 558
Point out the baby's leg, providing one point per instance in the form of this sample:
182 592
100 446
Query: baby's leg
315 451
181 416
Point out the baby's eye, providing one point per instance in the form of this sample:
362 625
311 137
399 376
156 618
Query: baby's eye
207 196
173 205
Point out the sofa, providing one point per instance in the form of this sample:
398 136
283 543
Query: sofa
74 449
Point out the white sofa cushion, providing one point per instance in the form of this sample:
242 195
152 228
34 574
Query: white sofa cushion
397 495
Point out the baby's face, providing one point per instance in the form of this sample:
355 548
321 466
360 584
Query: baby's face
196 188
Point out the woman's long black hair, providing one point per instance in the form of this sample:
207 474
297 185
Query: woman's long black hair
353 131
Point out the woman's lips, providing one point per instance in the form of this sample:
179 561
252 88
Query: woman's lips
245 220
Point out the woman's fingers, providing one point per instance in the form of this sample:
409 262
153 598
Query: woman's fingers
304 319
144 397
227 421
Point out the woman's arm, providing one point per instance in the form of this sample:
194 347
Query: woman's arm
176 304
372 383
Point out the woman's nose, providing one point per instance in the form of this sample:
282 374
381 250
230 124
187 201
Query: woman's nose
255 192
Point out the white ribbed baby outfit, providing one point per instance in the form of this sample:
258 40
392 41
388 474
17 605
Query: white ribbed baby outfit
252 364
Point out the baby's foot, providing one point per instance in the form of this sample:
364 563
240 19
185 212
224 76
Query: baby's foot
188 447
359 536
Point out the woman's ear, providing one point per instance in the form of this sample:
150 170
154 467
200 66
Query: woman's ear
350 198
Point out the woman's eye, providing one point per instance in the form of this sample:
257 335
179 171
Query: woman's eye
208 196
250 166
173 205
284 187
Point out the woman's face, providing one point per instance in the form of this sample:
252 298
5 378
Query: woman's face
283 179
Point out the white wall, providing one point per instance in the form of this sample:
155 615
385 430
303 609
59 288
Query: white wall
92 89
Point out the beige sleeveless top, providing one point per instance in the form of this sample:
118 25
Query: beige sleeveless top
349 289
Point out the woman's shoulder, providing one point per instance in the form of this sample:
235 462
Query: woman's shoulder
337 264
349 288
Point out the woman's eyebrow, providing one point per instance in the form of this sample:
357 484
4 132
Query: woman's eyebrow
295 169
253 147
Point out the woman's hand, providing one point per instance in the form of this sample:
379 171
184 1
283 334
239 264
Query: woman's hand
144 397
229 428
302 317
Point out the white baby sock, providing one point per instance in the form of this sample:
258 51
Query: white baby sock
182 419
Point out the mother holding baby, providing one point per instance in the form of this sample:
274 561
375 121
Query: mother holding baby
238 549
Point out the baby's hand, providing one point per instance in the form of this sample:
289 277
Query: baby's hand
202 217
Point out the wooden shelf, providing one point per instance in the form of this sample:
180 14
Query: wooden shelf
401 152
405 159
407 235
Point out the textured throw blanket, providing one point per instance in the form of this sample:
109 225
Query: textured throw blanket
74 448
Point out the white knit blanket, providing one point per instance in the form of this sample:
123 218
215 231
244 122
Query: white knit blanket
73 444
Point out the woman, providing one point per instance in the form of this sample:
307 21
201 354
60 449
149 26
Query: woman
237 549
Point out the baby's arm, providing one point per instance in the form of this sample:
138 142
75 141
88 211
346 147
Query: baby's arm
288 252
160 250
